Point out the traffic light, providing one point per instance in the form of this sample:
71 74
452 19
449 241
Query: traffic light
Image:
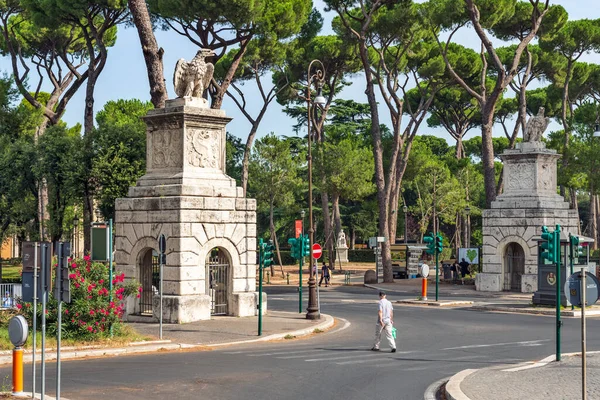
576 248
439 243
548 245
430 243
305 246
295 247
268 254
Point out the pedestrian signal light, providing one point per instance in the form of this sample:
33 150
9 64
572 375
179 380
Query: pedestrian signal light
305 246
268 254
576 249
295 247
549 250
439 243
429 240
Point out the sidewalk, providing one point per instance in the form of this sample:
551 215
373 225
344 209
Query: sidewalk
219 331
546 379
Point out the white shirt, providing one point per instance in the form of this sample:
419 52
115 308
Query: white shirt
386 308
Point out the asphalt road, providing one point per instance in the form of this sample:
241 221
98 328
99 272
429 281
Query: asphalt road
433 343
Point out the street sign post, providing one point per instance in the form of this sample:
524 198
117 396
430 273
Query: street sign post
574 293
581 289
317 251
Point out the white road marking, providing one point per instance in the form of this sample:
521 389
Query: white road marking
284 353
474 346
341 358
371 360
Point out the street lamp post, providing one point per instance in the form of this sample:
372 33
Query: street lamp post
405 209
468 227
312 312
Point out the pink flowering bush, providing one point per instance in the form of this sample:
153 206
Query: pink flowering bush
92 310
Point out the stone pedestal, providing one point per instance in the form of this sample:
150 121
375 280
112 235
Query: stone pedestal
341 254
186 195
515 219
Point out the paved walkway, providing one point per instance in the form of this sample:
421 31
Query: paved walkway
547 379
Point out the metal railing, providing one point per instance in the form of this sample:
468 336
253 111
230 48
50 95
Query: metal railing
10 292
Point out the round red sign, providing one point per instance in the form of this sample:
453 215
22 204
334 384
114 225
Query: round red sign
316 250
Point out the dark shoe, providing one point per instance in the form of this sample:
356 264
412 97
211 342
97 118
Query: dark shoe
374 349
393 350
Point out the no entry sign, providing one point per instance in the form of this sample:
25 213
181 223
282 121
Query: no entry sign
316 250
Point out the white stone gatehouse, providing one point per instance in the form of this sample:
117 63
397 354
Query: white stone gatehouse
210 227
513 223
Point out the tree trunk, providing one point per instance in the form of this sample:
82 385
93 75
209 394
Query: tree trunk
153 55
337 219
272 229
593 217
487 150
328 229
595 235
246 159
276 242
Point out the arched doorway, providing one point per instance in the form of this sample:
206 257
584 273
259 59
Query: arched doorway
149 270
217 280
514 267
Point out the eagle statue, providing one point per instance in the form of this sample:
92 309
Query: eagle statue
191 79
536 126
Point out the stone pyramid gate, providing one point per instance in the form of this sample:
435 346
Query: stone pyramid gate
210 227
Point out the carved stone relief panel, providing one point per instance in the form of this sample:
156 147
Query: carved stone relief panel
520 176
203 148
167 149
545 177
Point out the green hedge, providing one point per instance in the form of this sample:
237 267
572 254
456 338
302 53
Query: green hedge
362 255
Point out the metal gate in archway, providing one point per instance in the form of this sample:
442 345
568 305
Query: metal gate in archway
218 281
514 267
149 278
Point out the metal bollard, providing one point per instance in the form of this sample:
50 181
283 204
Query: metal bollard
18 372
288 278
268 278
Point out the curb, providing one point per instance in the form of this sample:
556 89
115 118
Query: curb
70 353
27 395
431 391
564 313
328 323
453 391
384 289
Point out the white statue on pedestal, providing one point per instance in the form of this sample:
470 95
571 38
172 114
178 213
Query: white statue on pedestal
536 126
341 243
191 79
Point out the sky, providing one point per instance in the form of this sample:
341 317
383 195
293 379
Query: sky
125 77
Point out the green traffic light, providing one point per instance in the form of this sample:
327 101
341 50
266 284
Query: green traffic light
430 243
549 252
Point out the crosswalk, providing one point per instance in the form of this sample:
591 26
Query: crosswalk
346 356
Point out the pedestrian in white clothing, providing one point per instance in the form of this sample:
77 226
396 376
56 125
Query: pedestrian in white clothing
385 322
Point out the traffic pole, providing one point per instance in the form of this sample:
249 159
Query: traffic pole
300 286
558 289
260 281
437 275
424 289
17 372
